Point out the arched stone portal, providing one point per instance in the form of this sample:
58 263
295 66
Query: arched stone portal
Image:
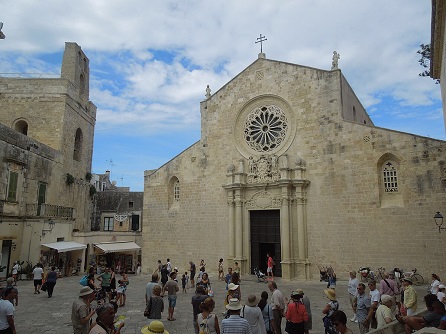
283 190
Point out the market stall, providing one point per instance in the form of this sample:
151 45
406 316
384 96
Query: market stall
121 255
66 256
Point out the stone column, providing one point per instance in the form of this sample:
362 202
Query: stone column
238 226
231 230
302 265
285 234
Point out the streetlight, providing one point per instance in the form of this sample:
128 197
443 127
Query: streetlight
439 221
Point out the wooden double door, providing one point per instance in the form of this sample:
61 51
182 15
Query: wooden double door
265 239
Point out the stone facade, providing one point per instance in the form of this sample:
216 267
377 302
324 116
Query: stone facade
438 48
290 163
46 147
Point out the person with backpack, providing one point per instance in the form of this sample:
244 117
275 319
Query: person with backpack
206 320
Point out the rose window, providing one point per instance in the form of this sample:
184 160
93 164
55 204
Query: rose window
265 128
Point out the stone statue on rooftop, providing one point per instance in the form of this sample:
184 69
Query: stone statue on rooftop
208 92
334 62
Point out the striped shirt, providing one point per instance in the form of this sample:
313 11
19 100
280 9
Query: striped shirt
235 325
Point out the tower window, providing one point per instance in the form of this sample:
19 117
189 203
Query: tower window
77 154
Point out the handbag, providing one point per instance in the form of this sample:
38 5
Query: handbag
270 331
44 287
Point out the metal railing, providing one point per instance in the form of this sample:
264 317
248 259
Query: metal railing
49 210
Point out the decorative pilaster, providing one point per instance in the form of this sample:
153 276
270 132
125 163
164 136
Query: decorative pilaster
238 225
285 234
231 229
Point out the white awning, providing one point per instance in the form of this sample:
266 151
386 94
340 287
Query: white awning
65 246
117 246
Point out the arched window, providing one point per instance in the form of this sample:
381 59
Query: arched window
176 191
77 154
390 177
21 126
173 194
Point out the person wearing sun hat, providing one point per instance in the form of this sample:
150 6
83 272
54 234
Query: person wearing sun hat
410 296
80 315
306 301
253 314
328 310
235 323
155 327
296 314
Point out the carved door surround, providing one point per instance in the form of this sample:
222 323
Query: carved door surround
269 182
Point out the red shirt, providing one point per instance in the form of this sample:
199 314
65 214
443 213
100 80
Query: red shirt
296 313
270 262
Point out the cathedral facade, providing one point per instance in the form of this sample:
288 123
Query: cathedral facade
290 164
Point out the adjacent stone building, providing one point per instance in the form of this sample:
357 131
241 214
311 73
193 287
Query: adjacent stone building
289 163
115 236
46 146
438 48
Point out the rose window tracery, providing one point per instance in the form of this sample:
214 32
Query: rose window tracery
265 128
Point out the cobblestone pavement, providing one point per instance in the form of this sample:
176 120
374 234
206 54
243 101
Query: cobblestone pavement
40 314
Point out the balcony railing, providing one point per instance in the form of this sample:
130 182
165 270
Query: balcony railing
49 210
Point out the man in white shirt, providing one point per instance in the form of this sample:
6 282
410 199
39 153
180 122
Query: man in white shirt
38 277
278 306
352 286
15 271
375 298
7 325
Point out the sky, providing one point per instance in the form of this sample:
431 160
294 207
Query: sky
151 60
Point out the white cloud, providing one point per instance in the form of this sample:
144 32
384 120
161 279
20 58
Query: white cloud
151 60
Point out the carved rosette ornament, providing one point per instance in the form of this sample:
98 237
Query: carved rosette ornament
265 128
263 169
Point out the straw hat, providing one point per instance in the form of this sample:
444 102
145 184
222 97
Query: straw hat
386 298
85 291
155 326
330 293
252 300
407 279
232 286
234 304
297 292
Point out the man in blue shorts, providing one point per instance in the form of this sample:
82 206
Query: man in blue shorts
172 288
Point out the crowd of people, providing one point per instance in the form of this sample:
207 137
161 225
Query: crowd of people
394 300
373 304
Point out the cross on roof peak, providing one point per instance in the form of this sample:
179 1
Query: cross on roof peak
260 40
